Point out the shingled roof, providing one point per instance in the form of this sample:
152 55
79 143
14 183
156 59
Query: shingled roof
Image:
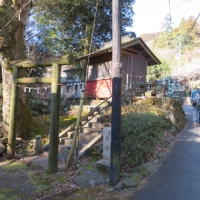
137 43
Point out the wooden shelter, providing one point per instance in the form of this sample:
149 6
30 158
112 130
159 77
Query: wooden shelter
136 56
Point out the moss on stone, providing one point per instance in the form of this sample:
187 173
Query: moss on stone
93 160
39 129
81 173
143 171
27 126
136 177
14 166
146 101
90 167
103 169
170 104
64 121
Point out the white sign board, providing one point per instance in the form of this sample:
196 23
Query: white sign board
106 144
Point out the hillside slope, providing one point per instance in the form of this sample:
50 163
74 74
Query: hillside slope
149 36
165 46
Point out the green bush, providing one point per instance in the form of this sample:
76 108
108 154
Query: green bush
141 131
39 106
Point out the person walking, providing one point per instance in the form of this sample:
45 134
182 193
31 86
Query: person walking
195 100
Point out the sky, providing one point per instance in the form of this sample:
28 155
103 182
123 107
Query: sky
149 14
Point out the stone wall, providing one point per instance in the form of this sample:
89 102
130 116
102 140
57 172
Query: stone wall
185 101
172 107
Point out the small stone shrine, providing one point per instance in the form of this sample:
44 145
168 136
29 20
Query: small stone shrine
38 145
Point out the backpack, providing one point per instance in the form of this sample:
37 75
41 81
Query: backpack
195 97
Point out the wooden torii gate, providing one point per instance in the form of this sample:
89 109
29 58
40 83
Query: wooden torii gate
55 82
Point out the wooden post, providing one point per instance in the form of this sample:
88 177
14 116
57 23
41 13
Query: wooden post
54 121
127 92
163 90
13 116
115 163
76 133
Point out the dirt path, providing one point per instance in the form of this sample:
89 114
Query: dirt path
24 180
14 183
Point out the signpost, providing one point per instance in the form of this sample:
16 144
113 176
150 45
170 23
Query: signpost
115 163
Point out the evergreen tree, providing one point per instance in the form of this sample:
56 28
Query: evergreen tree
67 25
156 71
182 24
167 27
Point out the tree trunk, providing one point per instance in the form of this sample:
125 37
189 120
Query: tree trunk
12 48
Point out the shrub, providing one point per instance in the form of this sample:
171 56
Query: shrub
141 131
39 106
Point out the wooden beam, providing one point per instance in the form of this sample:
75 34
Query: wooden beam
126 52
13 116
132 50
54 120
34 80
144 46
45 62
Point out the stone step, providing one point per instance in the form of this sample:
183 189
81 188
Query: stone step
98 115
87 108
91 114
72 128
86 125
92 128
64 135
70 134
85 137
46 154
90 131
82 144
63 148
96 125
95 119
97 109
65 140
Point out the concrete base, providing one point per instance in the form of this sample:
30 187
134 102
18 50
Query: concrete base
102 162
43 161
103 166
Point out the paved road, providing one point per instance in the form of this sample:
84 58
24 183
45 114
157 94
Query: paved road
178 178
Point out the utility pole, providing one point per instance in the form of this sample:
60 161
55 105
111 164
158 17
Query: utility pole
179 61
115 164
